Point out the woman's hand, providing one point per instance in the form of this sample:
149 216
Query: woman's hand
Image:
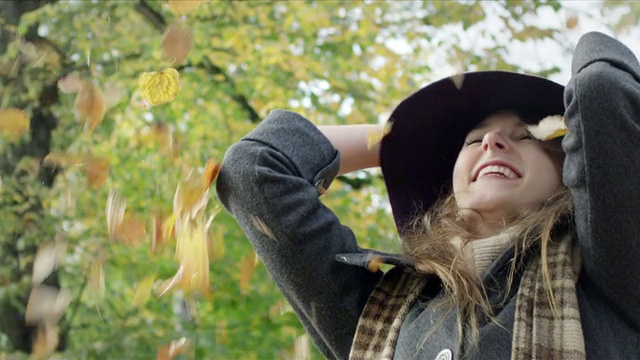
359 145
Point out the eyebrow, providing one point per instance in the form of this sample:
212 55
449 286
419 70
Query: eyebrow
483 126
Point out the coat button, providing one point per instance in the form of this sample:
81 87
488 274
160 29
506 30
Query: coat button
444 355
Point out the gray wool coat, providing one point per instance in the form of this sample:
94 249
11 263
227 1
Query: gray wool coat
276 171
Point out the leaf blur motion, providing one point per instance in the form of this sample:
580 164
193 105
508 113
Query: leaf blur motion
114 120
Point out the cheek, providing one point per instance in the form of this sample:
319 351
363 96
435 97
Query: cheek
462 171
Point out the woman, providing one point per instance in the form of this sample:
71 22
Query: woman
502 260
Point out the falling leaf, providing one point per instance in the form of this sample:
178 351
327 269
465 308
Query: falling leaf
190 197
549 128
116 206
572 22
374 264
97 172
173 349
191 252
183 7
246 266
46 304
96 278
89 106
157 234
458 80
70 83
131 230
113 94
210 173
62 160
13 123
302 348
47 259
216 250
143 291
176 43
161 87
45 342
161 135
222 334
375 137
262 227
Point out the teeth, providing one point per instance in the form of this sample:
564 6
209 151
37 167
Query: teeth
497 169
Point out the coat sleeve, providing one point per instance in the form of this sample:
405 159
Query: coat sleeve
270 181
602 168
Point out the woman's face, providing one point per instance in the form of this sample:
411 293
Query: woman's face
502 169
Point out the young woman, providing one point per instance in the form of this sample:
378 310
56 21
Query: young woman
513 248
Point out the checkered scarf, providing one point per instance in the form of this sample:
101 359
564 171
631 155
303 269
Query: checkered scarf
540 331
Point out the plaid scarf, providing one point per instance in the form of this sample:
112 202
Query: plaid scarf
540 330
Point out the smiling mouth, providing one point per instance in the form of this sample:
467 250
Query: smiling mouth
497 171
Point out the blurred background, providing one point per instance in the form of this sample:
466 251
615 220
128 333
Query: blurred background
103 146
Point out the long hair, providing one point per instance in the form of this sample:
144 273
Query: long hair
429 244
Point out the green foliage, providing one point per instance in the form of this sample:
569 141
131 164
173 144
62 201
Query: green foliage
333 61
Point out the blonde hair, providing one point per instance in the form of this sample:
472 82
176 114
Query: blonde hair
428 243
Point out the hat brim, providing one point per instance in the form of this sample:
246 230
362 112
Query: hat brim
428 129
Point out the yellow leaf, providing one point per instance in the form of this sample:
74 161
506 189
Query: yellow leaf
89 106
190 198
183 7
116 206
13 123
159 88
247 267
191 252
375 137
143 291
176 43
97 171
216 250
572 22
62 160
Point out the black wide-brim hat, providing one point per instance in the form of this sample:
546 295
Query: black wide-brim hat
427 131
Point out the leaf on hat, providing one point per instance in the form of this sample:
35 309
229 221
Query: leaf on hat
176 43
159 88
262 227
13 123
458 80
549 128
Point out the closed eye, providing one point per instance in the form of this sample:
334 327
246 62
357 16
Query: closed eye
473 141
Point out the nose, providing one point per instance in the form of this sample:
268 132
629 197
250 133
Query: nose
494 141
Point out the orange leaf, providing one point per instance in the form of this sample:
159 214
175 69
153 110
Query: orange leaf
97 171
572 22
176 43
190 197
13 123
89 106
158 236
173 349
210 173
247 266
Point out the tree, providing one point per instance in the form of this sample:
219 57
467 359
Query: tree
72 68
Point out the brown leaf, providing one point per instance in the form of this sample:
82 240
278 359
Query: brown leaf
131 230
572 22
45 342
97 172
89 106
13 123
173 349
247 266
157 236
176 43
